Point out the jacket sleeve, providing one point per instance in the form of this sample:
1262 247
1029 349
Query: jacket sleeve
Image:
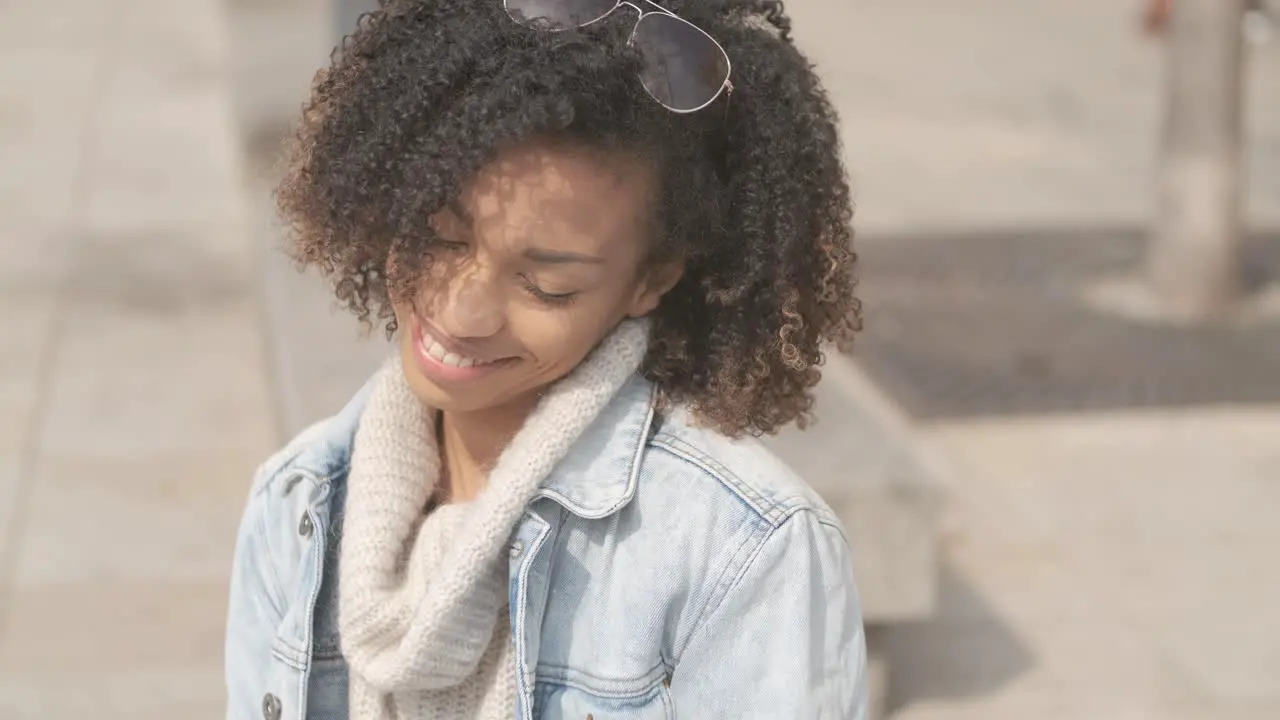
254 613
786 640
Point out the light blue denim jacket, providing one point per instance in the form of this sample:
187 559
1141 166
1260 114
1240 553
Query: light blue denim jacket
663 571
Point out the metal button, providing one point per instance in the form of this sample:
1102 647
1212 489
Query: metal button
270 707
305 526
517 549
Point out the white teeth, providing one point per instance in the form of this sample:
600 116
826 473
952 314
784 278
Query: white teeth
438 351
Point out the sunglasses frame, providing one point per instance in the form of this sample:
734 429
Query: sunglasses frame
726 87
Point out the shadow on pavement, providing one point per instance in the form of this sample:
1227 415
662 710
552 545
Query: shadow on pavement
998 323
964 651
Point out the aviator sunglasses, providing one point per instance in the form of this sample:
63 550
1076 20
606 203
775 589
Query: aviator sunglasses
684 69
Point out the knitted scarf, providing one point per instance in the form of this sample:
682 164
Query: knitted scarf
423 600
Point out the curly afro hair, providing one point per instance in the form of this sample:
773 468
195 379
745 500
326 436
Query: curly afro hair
752 195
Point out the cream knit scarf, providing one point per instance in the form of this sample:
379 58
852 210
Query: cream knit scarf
423 600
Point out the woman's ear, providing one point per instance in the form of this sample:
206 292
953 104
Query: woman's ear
657 282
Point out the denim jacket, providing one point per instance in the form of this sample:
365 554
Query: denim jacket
663 570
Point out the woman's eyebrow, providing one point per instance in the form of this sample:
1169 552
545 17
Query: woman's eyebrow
545 256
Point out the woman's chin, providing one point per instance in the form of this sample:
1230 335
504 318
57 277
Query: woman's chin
472 398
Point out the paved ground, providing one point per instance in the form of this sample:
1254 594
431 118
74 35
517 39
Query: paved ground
1111 565
988 113
133 397
1114 565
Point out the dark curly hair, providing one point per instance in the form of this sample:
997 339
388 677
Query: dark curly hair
752 195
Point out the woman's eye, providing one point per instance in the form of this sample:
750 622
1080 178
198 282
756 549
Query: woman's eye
542 296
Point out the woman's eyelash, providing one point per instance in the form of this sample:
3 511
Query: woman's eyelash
546 297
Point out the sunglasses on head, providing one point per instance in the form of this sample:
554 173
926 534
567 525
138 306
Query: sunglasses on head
684 69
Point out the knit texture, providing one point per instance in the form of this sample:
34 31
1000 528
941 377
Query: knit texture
423 600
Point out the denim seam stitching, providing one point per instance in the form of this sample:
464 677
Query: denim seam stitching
327 654
754 500
270 472
275 588
562 681
277 584
522 594
283 651
716 601
731 478
834 526
629 490
325 488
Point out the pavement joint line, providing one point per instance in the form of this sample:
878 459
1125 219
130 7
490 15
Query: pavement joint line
253 228
28 459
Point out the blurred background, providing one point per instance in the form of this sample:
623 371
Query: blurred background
1057 447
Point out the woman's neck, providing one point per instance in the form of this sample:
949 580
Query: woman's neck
472 442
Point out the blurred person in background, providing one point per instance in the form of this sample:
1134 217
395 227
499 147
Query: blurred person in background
606 255
1258 20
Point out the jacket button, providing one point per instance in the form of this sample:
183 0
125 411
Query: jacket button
270 707
517 549
305 526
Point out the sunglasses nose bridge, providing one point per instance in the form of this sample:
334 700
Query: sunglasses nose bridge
633 6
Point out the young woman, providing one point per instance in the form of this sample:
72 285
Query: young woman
611 242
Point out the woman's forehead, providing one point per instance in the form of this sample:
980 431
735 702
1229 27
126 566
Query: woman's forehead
551 192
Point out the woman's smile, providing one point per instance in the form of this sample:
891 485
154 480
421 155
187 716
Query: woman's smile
442 360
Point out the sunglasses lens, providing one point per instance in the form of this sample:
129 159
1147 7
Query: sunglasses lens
684 69
558 14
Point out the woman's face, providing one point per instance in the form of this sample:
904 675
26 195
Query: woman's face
542 258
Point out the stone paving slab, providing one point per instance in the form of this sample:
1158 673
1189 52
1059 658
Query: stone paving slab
128 292
152 625
52 64
1181 550
319 354
27 328
1103 566
181 377
134 183
113 692
996 114
147 650
156 517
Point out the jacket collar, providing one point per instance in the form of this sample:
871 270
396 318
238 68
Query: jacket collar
326 446
595 480
599 475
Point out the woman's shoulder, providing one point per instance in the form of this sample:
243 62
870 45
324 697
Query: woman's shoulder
660 461
321 451
694 534
685 454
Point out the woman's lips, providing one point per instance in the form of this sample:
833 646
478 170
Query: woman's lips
438 363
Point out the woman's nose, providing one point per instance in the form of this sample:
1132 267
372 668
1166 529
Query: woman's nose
471 308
